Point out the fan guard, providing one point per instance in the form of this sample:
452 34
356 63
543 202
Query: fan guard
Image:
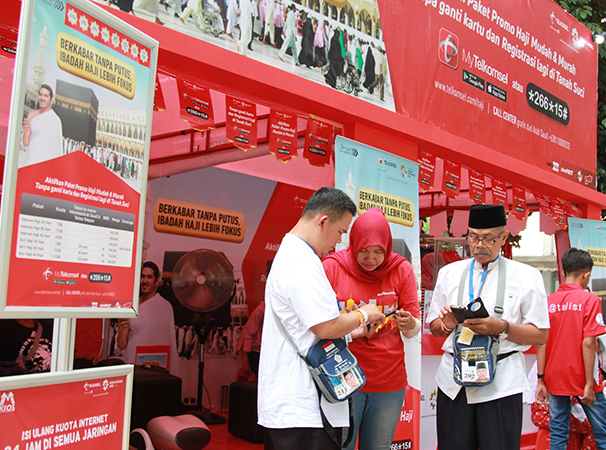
203 280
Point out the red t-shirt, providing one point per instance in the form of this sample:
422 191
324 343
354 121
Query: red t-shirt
574 314
381 355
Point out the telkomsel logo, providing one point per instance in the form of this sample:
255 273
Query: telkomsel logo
448 48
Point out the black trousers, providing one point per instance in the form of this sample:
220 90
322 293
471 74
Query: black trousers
299 439
493 425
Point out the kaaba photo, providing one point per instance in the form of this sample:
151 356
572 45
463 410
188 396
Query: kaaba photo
77 107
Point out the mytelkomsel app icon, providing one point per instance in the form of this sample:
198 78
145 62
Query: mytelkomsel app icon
448 48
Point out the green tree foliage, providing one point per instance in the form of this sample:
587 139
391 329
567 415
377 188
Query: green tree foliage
592 14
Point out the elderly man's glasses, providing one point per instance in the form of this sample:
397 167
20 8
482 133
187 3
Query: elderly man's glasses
487 242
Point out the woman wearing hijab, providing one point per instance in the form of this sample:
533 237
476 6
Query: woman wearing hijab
306 55
336 60
369 272
319 42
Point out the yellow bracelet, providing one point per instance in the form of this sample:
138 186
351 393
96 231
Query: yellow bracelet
359 315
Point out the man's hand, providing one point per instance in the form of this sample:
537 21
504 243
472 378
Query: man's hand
448 318
374 313
366 329
485 326
123 332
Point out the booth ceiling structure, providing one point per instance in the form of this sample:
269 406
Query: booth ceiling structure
230 73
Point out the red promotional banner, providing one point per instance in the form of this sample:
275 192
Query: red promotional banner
477 187
558 214
283 135
283 209
427 170
507 75
318 142
195 105
544 204
74 248
407 434
572 211
519 202
8 41
86 414
241 122
159 103
499 193
77 157
451 181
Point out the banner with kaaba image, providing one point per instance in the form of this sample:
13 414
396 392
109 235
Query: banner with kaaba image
76 167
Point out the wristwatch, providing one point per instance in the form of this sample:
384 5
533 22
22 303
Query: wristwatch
505 334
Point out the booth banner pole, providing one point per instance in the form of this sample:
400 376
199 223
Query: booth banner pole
76 163
375 178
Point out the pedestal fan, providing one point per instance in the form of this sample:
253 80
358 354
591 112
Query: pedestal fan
203 281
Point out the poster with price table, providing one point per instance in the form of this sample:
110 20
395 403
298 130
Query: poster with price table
76 165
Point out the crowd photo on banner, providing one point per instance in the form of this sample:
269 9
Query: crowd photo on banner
336 47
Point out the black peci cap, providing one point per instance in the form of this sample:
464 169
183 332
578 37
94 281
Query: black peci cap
487 216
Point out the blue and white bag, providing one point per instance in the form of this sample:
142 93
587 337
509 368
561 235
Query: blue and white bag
335 369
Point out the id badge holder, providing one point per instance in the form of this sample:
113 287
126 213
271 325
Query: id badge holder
475 365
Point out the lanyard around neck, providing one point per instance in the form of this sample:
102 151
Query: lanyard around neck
307 243
471 296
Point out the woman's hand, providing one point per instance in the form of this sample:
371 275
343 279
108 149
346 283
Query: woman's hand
405 320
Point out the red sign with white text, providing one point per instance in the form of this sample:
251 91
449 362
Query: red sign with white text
519 202
241 122
559 215
544 204
477 187
283 135
74 234
427 170
8 41
499 194
451 181
318 142
195 105
283 209
87 414
509 75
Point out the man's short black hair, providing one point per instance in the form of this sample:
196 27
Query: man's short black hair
575 261
152 266
330 201
48 88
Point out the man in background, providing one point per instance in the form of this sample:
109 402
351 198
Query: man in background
154 325
566 363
